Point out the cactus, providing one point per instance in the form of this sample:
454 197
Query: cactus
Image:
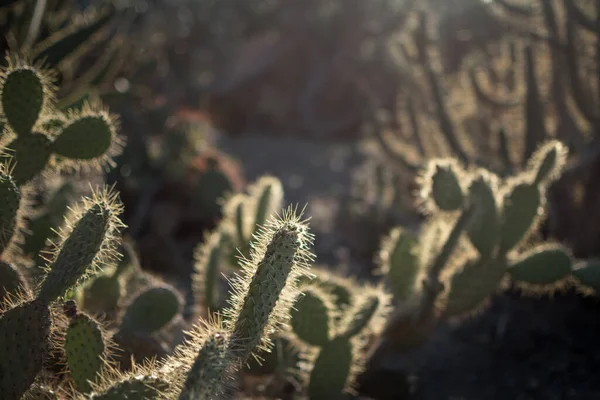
310 316
84 350
208 257
331 370
398 260
9 211
151 310
442 185
11 281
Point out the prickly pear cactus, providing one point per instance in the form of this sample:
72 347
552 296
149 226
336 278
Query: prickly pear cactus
151 310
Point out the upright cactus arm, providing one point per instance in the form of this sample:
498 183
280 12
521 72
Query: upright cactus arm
580 17
263 294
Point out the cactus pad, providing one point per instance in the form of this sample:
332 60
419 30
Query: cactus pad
471 286
521 212
31 155
22 95
85 138
441 185
545 265
310 318
206 270
136 388
331 370
24 332
484 229
84 350
399 261
103 294
548 161
152 309
361 315
587 273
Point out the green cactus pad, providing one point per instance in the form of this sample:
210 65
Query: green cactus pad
9 208
207 377
212 186
587 273
24 332
471 286
520 214
548 161
484 229
78 252
135 388
11 280
22 99
442 184
546 265
359 316
331 370
152 310
84 350
310 317
399 261
30 155
267 194
102 295
85 138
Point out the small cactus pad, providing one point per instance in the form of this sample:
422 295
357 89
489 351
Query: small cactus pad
471 286
206 270
267 194
310 317
9 208
521 211
22 92
152 309
548 161
360 315
85 138
11 280
484 229
587 273
24 332
135 388
102 295
331 370
30 156
443 183
77 254
206 379
84 350
545 265
399 261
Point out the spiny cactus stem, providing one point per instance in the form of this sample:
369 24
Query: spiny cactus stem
432 286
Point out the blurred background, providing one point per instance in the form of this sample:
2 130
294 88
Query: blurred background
344 101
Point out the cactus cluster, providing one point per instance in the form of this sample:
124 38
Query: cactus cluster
480 236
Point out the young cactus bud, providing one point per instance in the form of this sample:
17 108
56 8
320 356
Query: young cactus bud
310 316
543 267
85 243
521 213
263 294
331 370
398 260
84 350
441 185
23 95
548 161
472 286
24 332
9 210
152 310
484 229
